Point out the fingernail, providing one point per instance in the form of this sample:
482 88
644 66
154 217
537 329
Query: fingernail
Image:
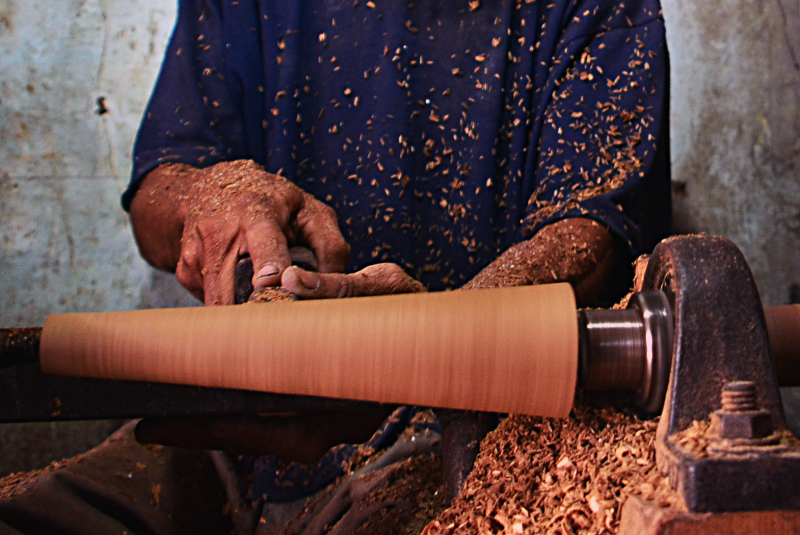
269 270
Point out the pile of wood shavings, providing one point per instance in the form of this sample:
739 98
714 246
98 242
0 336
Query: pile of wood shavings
570 476
268 294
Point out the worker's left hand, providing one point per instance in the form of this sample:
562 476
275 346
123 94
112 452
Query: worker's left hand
575 250
378 279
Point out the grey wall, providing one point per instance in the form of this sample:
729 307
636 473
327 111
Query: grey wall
736 130
65 245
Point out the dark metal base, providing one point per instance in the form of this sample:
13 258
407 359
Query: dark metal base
26 395
720 339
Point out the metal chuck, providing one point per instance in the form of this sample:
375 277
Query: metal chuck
628 349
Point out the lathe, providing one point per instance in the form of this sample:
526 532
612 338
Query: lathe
694 342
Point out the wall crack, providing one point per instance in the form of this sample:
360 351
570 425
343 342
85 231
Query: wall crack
100 79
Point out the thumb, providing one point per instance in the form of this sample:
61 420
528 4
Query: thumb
379 279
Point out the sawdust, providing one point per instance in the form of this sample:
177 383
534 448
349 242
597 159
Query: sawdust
696 440
571 476
270 294
17 482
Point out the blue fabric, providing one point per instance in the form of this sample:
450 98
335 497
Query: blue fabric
273 484
441 135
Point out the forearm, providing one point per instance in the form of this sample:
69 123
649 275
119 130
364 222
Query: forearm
157 214
576 250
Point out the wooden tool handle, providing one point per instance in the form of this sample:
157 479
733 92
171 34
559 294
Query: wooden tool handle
501 350
783 326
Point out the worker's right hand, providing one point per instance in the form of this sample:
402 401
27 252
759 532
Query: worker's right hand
201 222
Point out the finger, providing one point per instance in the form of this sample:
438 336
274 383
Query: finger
267 246
189 269
318 227
307 284
220 256
219 280
380 279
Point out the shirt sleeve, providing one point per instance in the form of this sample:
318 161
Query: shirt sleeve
191 117
603 150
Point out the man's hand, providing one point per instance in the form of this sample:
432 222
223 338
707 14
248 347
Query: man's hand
378 279
201 222
576 250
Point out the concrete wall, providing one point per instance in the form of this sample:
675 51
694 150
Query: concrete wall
736 130
65 245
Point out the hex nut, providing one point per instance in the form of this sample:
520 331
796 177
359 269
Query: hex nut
744 424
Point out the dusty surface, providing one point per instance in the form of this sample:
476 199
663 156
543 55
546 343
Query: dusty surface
570 476
533 475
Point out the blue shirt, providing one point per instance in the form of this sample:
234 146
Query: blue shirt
442 132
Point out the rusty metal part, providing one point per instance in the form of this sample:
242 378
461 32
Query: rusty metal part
19 345
629 349
720 337
740 418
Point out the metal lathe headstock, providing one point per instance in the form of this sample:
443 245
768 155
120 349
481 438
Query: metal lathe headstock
722 438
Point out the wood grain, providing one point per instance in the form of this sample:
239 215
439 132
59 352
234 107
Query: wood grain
504 350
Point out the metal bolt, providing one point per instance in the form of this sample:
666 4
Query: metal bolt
739 396
740 416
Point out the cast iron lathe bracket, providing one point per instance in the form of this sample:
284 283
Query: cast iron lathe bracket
720 340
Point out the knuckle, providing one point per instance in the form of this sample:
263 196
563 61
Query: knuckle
347 288
190 257
292 198
325 210
188 278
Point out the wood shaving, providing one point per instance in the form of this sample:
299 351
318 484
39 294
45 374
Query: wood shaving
570 476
